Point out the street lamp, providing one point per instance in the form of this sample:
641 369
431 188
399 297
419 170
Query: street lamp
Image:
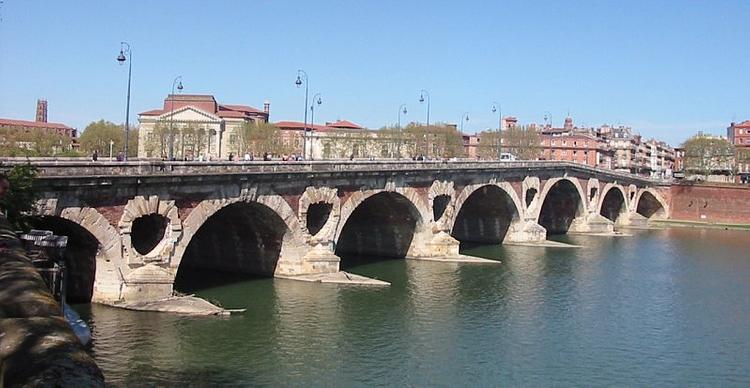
498 108
171 115
302 78
423 93
125 49
315 100
401 109
464 117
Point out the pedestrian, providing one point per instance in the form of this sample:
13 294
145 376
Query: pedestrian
247 157
120 157
95 156
231 156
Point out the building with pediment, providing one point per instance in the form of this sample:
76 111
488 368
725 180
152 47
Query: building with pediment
189 126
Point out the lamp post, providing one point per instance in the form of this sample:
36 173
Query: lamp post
423 93
315 100
171 115
302 78
464 117
497 108
125 49
401 109
111 144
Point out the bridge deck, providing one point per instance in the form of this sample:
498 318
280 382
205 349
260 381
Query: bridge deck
60 169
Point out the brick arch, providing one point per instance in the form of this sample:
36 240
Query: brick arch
437 189
551 183
142 206
656 195
613 186
314 195
207 208
470 189
110 266
421 232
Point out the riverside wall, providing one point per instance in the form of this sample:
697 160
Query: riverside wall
37 347
710 203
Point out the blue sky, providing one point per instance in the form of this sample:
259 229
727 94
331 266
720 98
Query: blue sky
667 68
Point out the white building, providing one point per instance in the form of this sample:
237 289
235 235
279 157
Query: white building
193 125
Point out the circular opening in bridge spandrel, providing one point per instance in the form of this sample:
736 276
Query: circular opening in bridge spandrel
439 204
147 232
317 216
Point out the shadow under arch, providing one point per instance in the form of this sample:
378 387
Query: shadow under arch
382 226
613 204
650 207
242 239
80 256
562 204
485 216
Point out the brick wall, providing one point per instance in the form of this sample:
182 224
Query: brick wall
711 203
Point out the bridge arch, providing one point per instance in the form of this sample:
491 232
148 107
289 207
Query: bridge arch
93 255
563 201
650 204
614 202
485 212
222 234
382 223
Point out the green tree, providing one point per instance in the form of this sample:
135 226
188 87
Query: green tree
523 142
98 134
708 154
18 141
434 141
19 202
261 137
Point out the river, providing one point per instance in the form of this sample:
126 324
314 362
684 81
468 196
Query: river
664 307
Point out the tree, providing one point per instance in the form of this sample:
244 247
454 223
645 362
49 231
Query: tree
435 141
523 142
98 134
708 154
487 147
19 141
19 202
261 137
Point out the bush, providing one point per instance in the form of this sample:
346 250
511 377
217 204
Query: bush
19 202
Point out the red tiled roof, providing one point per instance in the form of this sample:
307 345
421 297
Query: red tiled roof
231 113
344 124
35 124
240 108
152 112
744 124
296 125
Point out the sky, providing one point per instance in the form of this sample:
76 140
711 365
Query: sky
666 68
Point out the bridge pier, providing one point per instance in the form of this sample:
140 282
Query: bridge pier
593 223
525 232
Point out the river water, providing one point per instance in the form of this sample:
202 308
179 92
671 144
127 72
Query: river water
665 307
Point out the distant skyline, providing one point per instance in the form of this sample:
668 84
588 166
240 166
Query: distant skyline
667 69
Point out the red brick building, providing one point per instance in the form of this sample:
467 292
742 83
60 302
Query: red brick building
739 136
573 144
41 124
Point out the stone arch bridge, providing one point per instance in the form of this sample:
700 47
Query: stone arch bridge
132 226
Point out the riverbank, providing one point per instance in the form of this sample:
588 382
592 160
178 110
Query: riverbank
698 224
37 346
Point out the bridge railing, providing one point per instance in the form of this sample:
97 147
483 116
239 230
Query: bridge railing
78 168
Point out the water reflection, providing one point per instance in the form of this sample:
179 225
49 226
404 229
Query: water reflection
665 307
